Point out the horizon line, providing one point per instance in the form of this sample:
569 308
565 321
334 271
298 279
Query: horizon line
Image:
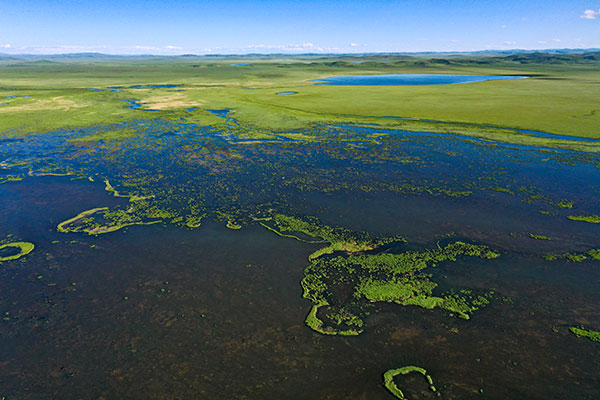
573 49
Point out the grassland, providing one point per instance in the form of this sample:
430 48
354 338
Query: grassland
561 97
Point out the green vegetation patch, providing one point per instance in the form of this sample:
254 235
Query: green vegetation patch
538 237
582 332
23 247
592 219
593 254
388 379
102 220
339 239
345 285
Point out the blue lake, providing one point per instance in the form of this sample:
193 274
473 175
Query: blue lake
410 79
286 93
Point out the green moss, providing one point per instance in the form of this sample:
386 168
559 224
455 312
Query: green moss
592 219
388 379
582 332
24 249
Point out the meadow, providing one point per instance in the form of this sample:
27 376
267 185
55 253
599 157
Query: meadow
561 96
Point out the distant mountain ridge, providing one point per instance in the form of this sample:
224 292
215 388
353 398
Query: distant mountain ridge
553 56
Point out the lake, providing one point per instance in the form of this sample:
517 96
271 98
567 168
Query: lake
410 79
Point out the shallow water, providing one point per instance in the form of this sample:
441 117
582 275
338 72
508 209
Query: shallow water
162 311
410 79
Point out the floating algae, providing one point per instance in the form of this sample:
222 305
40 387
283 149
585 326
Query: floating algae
23 247
388 379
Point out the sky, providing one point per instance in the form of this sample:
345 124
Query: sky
311 26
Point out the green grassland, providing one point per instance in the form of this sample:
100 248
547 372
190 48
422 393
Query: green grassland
562 96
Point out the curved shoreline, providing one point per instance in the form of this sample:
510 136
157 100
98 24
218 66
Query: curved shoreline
389 375
24 247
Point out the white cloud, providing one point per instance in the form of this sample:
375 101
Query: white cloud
173 48
354 44
556 40
5 46
509 43
541 42
591 14
503 26
146 48
288 47
63 49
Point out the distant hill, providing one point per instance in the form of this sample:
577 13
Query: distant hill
552 56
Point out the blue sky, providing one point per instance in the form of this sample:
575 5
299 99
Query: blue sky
275 26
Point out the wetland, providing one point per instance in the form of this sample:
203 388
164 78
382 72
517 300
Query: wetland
241 244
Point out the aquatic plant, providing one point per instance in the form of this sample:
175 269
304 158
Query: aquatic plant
594 254
383 277
538 237
339 239
23 247
10 178
582 332
592 219
389 375
103 220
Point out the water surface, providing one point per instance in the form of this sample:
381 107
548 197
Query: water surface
164 311
410 79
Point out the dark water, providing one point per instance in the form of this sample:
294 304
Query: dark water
162 311
410 79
